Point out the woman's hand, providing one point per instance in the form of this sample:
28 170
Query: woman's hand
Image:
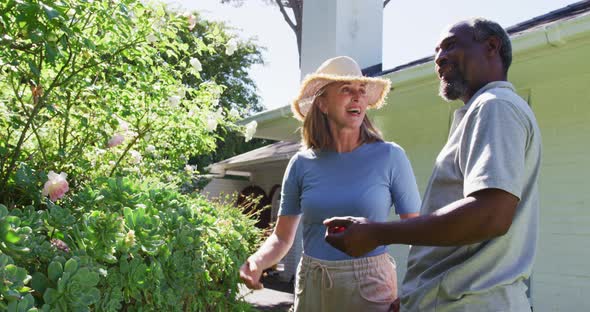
250 274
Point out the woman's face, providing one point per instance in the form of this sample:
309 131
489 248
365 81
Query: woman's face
344 103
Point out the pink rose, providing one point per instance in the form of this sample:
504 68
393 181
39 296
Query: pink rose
116 140
192 22
56 185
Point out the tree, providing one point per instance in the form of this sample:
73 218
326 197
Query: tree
101 104
227 64
294 20
96 88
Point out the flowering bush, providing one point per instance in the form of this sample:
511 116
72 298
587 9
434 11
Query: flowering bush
102 103
88 86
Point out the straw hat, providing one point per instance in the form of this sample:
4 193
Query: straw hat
340 68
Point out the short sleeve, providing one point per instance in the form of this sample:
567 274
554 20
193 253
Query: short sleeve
291 190
403 187
493 150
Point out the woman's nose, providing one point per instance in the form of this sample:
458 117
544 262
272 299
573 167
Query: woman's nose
357 94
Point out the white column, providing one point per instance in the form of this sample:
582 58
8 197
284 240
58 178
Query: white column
341 27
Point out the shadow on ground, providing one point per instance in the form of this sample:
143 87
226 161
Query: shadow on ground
277 296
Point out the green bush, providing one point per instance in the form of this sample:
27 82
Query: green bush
130 246
102 103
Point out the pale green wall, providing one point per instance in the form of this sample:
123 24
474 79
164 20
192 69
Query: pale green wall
561 277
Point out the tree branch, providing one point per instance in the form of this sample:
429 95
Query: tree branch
286 16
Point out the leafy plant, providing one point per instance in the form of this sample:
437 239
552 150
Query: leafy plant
102 103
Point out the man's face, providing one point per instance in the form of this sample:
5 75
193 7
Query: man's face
457 57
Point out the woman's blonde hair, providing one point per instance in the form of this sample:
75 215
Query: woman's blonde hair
316 132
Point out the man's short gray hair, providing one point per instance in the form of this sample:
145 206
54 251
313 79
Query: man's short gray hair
484 29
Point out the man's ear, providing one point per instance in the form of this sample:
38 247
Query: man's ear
494 44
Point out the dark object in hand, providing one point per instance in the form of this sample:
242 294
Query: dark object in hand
336 229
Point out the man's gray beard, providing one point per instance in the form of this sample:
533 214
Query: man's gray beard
452 90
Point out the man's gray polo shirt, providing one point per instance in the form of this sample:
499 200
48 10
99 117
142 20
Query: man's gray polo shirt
494 142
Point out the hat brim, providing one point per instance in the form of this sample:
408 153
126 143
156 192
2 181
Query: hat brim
376 89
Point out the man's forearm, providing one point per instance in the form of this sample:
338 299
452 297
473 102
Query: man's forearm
463 222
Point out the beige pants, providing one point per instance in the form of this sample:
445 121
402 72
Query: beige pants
366 284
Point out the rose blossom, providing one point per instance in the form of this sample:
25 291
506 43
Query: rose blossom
151 38
250 130
56 185
231 46
116 140
174 100
196 64
135 157
234 114
189 168
192 22
123 125
211 123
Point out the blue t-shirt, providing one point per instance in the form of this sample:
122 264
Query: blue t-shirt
362 183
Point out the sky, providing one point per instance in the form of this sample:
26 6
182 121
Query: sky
410 31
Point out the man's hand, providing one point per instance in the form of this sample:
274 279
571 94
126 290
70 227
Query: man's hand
250 274
356 240
394 306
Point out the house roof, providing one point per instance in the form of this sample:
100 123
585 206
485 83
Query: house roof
274 152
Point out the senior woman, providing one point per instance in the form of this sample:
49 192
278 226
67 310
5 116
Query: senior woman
344 169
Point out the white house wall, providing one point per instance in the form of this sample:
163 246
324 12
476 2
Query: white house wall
561 276
219 188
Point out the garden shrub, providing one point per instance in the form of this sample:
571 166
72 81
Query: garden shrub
129 246
102 104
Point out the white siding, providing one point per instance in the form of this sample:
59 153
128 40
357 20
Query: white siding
561 276
218 188
266 176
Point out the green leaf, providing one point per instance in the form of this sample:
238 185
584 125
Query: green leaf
123 265
50 296
22 276
39 282
90 297
49 11
87 278
14 220
71 266
11 269
4 260
51 52
33 67
63 282
54 271
11 237
3 211
12 306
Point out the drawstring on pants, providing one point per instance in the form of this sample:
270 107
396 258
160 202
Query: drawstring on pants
315 266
